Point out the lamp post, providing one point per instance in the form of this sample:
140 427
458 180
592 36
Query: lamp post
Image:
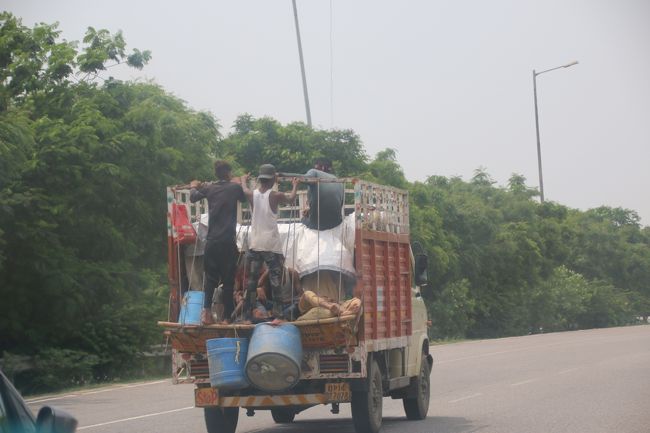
539 149
302 64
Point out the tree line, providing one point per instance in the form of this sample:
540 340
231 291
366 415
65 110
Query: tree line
84 162
500 263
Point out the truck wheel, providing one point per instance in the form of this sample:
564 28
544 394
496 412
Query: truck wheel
221 420
367 405
416 408
283 415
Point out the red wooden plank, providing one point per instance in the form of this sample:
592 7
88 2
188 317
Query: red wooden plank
388 287
400 289
360 289
407 291
373 266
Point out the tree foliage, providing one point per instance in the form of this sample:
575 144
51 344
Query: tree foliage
528 266
82 187
291 148
500 262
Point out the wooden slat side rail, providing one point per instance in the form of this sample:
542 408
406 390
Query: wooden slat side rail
321 333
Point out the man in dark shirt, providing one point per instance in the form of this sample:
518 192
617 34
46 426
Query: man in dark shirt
325 198
220 257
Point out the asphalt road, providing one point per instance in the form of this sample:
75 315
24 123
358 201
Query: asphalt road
585 381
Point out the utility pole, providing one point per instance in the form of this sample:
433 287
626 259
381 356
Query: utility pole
302 64
539 148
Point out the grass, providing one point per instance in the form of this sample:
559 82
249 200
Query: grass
97 385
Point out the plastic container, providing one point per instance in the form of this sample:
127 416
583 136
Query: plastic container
226 361
274 357
191 307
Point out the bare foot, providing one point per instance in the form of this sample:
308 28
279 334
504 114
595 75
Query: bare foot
276 322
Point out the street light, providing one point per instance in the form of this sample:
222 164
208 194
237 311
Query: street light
302 64
539 149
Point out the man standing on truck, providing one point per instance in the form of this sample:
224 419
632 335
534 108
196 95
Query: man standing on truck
325 198
220 257
264 244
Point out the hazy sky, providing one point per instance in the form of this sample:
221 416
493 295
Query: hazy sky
448 84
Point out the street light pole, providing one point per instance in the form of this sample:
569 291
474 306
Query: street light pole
539 148
302 64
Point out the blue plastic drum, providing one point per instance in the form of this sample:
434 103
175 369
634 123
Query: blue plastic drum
226 360
191 307
274 357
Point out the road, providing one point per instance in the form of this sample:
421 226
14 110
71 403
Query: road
585 381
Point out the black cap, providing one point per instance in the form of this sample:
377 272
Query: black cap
267 171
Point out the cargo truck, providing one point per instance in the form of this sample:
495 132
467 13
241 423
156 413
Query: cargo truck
383 351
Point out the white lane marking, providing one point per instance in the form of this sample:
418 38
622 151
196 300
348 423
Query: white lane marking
483 355
99 391
134 418
41 400
568 371
466 397
524 382
110 388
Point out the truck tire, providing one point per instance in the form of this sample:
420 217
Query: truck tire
221 420
367 405
416 407
283 415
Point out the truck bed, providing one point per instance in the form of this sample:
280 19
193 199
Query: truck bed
332 332
332 343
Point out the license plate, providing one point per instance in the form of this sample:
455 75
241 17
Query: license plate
339 391
205 397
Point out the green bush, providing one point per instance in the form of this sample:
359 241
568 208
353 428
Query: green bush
61 368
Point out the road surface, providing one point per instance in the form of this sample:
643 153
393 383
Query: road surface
595 381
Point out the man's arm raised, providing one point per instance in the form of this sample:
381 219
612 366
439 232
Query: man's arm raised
247 191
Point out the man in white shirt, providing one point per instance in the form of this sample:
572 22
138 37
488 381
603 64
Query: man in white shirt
264 245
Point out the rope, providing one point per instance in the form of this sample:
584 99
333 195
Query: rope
243 279
191 272
292 225
196 243
343 233
331 66
180 288
244 274
318 243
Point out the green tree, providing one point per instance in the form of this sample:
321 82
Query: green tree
83 197
291 148
452 311
385 170
559 302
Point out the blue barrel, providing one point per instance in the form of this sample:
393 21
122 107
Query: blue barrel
274 357
226 360
191 307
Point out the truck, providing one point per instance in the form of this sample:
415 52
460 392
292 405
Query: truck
382 351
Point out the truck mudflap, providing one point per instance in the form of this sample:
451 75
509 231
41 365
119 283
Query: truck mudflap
338 392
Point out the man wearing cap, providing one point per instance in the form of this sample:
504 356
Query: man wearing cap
221 248
264 245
